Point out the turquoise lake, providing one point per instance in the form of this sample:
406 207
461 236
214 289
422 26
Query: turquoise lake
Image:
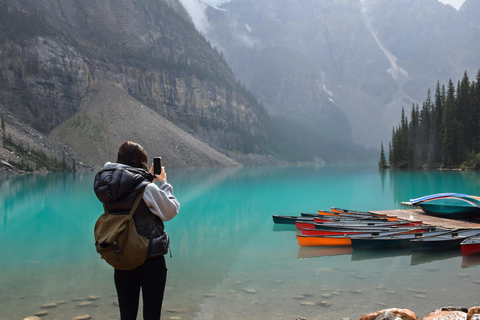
229 261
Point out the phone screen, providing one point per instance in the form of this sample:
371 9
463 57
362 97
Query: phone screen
157 165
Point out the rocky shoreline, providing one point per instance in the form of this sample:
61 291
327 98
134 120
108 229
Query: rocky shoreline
445 313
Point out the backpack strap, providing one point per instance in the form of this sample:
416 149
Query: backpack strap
134 207
136 203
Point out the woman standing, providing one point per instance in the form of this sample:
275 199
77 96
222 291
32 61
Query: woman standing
117 185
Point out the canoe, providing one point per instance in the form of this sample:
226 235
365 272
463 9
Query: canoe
351 224
281 219
391 241
340 240
344 212
450 205
470 246
352 219
289 219
338 210
340 231
447 241
360 225
342 217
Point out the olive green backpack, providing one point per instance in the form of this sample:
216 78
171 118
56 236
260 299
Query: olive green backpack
117 239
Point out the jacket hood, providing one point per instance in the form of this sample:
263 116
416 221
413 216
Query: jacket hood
116 180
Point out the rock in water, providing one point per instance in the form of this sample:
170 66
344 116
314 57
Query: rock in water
403 314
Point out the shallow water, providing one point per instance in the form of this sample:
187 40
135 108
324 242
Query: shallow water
229 260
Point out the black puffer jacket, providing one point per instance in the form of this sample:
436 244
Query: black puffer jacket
117 188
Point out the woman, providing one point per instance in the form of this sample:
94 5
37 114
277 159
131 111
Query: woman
117 185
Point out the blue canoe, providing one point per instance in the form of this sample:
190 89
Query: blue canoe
449 205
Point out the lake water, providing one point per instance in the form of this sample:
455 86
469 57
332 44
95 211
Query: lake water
229 260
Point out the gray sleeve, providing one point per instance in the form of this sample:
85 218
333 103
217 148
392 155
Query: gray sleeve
161 201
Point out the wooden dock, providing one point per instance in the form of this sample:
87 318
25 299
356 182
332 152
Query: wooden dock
419 215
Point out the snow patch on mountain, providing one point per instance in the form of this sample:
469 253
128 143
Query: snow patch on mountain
395 70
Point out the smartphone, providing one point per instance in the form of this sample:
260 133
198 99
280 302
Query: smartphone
157 165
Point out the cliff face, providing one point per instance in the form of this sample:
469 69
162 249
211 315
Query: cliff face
53 53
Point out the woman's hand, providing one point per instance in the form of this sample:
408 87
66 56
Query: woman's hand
160 177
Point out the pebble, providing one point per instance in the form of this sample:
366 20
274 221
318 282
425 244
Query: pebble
476 281
417 291
420 296
41 313
49 306
391 292
250 290
463 275
32 318
326 295
91 298
209 295
84 304
62 302
324 303
307 303
431 268
356 291
84 317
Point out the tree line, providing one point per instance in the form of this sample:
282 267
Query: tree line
443 133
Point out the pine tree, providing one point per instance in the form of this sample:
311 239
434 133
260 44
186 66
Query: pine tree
452 127
383 161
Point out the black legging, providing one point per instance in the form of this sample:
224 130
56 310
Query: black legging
151 277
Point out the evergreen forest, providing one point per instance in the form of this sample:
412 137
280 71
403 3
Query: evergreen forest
444 133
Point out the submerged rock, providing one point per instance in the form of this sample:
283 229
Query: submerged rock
32 318
403 314
324 303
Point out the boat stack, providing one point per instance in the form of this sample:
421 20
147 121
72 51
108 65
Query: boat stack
369 231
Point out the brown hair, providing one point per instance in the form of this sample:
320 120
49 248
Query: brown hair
132 154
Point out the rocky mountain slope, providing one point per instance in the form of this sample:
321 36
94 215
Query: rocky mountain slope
348 65
57 56
110 115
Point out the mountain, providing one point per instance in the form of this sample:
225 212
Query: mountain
55 56
349 66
